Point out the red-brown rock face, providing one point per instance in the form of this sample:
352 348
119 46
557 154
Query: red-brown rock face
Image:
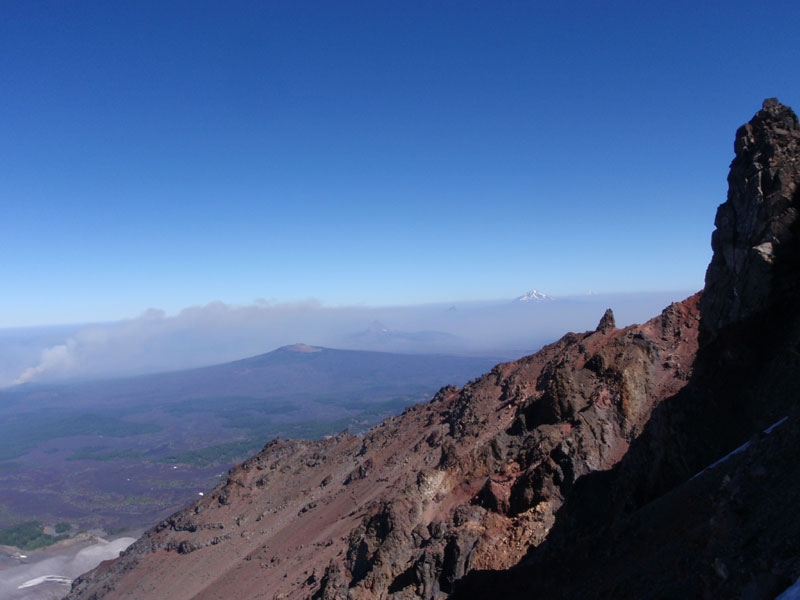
468 480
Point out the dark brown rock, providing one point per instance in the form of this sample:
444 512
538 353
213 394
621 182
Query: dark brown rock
607 322
756 240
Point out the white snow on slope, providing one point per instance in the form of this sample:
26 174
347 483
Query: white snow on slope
49 577
44 579
792 593
768 430
534 296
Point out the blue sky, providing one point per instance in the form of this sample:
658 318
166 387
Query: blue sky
368 153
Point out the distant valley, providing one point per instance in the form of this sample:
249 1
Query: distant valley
120 453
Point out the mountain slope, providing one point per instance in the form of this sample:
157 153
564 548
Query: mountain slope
431 483
568 473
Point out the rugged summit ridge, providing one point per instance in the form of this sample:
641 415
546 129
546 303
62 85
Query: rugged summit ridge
699 505
577 472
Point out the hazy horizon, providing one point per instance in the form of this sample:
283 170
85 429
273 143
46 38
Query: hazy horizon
357 163
218 332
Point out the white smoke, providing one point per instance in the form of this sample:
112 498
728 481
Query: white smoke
218 332
196 336
57 359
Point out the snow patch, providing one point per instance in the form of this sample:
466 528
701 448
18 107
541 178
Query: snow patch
44 579
534 296
791 593
744 446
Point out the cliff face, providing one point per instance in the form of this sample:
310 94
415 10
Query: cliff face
569 466
755 242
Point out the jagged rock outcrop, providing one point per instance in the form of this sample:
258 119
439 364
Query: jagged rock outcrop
568 473
756 238
607 322
660 523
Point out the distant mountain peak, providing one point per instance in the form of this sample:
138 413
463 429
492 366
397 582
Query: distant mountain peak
300 348
534 296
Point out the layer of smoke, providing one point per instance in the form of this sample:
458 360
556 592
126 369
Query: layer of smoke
219 332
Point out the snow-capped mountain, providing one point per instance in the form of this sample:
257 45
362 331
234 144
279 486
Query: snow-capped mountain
534 296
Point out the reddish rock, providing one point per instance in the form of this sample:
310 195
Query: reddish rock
472 478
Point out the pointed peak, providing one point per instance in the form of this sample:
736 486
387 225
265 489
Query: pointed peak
534 296
607 323
774 127
774 107
754 264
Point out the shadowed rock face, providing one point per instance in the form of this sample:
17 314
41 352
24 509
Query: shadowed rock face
755 241
515 485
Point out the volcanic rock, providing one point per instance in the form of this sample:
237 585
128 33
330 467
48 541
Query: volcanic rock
755 243
607 322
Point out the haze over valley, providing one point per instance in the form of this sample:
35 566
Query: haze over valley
118 454
215 333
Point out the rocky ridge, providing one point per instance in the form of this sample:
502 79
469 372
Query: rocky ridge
469 480
577 472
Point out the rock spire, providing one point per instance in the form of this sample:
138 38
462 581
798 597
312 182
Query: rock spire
607 322
756 239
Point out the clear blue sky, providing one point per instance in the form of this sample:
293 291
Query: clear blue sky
171 154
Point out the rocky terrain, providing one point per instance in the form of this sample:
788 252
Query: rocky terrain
595 468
